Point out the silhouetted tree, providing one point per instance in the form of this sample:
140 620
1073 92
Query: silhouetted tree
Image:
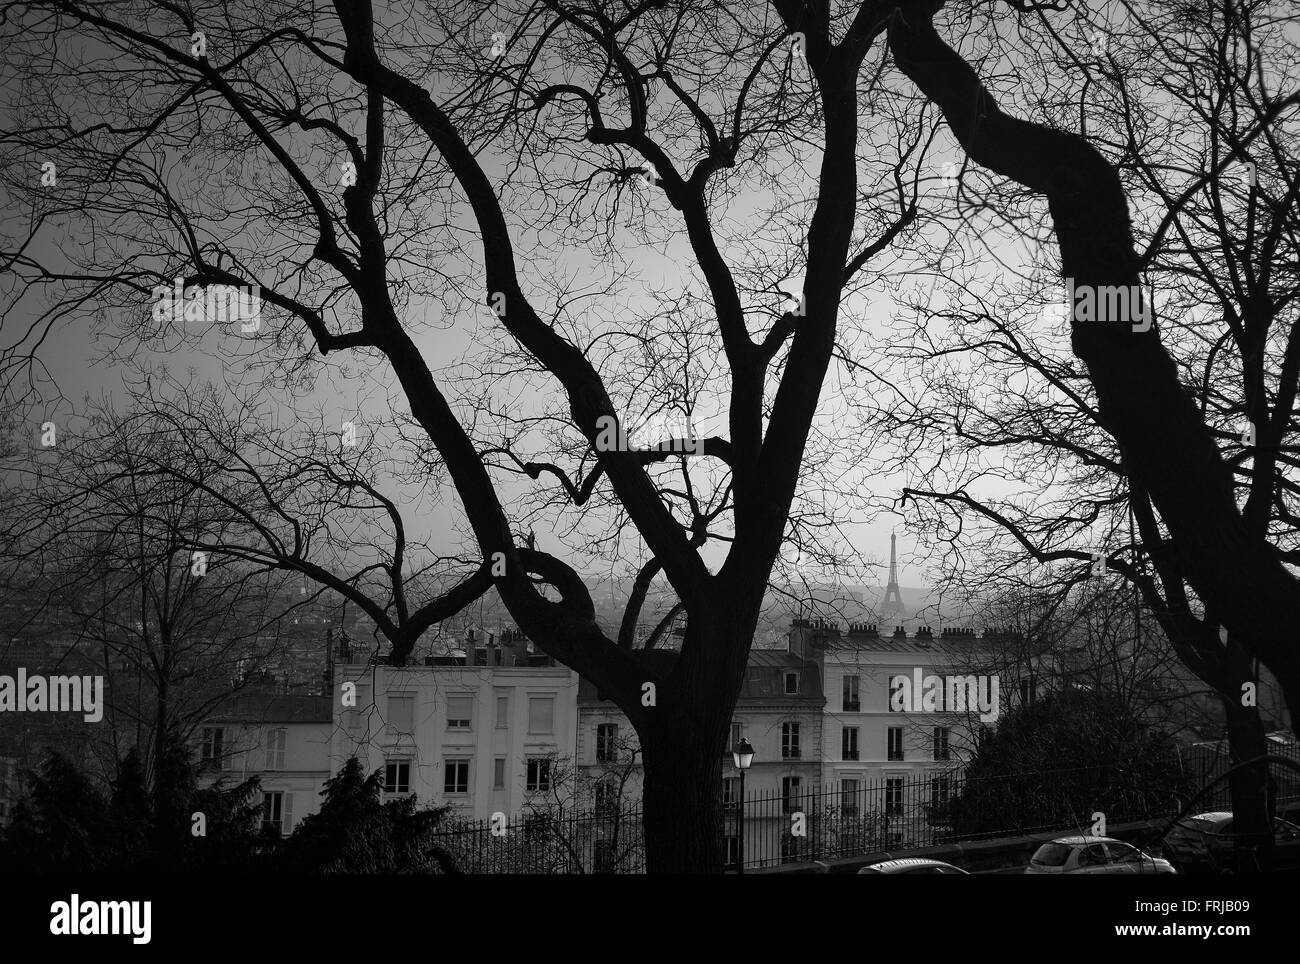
66 825
1060 759
356 832
339 162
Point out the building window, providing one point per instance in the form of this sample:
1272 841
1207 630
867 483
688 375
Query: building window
397 776
895 750
790 793
731 844
277 812
730 793
499 773
541 714
791 684
789 741
850 696
849 743
275 740
539 775
606 796
401 713
849 797
941 742
893 795
940 792
455 778
1026 691
460 710
606 742
354 717
212 755
503 712
735 738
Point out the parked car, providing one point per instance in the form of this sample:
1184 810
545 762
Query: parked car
1204 843
911 865
1094 855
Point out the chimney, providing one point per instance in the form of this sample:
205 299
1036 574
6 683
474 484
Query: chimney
794 639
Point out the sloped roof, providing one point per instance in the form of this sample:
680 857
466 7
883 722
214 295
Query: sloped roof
900 644
765 677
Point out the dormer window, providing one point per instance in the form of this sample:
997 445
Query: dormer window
791 684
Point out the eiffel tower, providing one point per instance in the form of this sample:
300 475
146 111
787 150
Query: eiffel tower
892 605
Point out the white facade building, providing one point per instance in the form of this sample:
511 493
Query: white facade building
283 740
478 736
890 722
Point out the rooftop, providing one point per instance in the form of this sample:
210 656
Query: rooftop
261 708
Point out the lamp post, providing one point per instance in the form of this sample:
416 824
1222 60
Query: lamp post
743 755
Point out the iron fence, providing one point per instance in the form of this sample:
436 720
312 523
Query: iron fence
846 819
899 814
548 842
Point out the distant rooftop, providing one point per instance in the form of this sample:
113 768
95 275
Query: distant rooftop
266 708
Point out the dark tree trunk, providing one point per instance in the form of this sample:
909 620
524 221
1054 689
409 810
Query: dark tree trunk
683 733
682 798
682 742
1252 814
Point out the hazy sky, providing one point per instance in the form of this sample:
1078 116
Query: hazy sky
352 385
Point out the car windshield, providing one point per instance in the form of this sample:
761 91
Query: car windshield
1051 855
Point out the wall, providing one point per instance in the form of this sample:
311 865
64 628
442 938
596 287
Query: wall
368 731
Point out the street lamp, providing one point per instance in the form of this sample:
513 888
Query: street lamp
743 755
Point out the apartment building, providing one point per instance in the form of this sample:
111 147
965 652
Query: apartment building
282 739
479 729
496 724
606 752
779 711
907 710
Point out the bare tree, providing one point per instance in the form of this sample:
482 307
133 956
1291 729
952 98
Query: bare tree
537 128
118 551
587 809
1166 445
1177 99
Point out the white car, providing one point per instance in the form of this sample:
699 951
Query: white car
911 865
1094 855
